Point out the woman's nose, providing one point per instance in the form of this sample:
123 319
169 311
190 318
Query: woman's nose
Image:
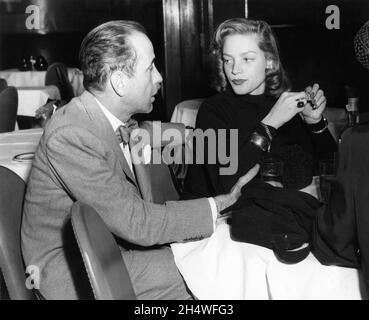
236 68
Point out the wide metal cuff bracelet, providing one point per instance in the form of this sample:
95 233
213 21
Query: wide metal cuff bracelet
262 142
321 129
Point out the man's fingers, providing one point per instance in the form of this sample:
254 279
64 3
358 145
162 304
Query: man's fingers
246 178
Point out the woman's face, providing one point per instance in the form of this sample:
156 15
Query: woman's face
244 64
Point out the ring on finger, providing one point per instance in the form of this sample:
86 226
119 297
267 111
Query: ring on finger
300 103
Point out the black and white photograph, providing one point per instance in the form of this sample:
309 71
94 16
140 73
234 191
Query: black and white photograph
185 155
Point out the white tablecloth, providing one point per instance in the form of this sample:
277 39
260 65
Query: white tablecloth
220 268
31 98
18 78
17 142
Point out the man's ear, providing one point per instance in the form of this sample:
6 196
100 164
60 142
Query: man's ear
118 81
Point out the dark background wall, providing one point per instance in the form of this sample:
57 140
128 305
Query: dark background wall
181 31
312 53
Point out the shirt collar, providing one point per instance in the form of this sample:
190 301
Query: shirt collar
113 120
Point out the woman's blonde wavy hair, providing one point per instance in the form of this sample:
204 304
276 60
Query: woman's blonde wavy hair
276 79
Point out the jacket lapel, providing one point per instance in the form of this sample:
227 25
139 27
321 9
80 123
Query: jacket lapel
143 176
103 128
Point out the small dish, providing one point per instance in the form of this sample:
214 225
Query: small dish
24 157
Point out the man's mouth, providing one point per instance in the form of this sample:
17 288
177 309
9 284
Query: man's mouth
238 82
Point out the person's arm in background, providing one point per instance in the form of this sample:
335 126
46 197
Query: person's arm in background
344 219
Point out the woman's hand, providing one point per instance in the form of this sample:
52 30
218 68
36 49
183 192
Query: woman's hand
284 109
314 115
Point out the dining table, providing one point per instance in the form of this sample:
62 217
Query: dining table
34 78
221 268
17 149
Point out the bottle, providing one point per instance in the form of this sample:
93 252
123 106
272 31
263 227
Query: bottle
352 114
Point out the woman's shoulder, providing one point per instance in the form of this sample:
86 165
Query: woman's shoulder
214 109
216 104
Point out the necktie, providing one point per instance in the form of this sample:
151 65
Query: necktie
124 131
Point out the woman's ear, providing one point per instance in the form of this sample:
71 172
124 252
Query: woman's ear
118 81
269 64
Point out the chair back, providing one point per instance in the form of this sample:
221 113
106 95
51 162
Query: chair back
57 75
3 84
12 189
8 109
101 255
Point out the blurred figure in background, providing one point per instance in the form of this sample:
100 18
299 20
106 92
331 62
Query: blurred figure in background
342 230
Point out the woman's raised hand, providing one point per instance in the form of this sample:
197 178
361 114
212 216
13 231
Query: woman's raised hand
285 109
313 113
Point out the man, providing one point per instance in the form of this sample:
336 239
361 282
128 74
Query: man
80 158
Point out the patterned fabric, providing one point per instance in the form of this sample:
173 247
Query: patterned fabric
124 132
361 43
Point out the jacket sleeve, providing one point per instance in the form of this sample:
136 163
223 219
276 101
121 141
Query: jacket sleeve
334 235
87 170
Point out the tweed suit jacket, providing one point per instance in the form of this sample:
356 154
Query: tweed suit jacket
79 158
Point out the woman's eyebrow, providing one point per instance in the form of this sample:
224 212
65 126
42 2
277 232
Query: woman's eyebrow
242 53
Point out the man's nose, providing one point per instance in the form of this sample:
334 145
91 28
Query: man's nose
157 77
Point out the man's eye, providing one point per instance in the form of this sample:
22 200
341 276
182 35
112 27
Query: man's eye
248 59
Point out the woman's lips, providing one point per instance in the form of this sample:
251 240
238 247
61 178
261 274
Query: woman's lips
238 82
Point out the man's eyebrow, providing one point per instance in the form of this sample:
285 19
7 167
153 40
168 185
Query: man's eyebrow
152 61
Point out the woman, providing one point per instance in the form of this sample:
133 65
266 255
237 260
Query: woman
254 99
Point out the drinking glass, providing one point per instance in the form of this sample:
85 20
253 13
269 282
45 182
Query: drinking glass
271 169
327 172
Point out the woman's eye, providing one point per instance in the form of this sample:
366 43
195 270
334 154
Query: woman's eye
227 61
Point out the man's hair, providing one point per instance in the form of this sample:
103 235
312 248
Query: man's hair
105 49
276 80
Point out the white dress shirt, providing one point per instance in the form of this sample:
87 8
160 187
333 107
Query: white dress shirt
116 123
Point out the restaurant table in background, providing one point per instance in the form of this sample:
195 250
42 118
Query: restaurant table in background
31 98
17 78
15 143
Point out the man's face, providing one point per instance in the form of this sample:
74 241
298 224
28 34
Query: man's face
145 83
244 64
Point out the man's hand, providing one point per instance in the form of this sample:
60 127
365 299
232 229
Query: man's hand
309 114
226 200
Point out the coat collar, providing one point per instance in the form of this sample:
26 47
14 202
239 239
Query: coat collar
103 128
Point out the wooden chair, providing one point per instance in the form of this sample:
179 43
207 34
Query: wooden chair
3 84
101 255
8 109
12 189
